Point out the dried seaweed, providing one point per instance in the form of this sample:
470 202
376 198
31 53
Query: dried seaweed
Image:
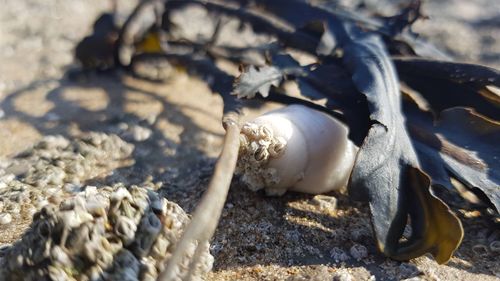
387 167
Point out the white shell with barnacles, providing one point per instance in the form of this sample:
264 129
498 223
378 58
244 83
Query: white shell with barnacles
295 148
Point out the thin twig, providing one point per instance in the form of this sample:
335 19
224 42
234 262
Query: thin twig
207 214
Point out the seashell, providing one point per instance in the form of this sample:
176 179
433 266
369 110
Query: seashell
295 148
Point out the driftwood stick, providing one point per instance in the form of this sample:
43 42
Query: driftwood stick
207 214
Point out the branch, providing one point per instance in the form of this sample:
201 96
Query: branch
207 214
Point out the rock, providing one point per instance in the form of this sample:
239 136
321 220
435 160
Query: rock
140 133
325 202
53 169
416 278
318 275
342 276
338 255
5 218
127 236
407 270
495 246
480 250
358 252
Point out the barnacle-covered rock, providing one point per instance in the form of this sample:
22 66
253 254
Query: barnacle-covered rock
106 234
56 160
53 169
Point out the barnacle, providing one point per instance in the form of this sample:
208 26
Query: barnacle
127 234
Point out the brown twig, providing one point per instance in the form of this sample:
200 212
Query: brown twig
207 214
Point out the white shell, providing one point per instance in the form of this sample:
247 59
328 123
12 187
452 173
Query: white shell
295 148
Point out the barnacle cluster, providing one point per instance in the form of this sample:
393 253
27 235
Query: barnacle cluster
53 168
58 160
101 234
258 145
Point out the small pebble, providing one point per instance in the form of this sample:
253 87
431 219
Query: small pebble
151 119
325 202
12 208
5 218
358 234
30 211
480 250
338 255
407 270
72 188
358 252
41 203
137 133
51 116
4 248
141 133
495 246
416 278
342 276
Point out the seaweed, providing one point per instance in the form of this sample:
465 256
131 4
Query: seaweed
419 118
